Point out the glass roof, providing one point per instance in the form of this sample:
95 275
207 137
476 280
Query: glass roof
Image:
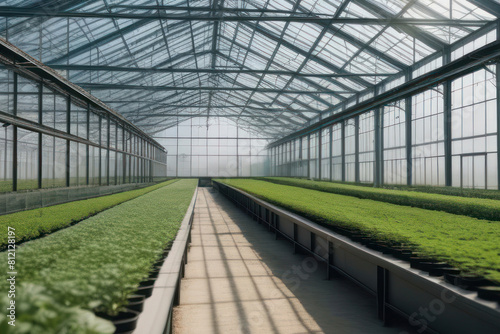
270 65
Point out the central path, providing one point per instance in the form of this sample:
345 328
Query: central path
240 280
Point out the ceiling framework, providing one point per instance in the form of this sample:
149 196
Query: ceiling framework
272 66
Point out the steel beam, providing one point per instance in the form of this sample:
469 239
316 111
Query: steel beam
239 70
96 86
10 11
468 64
491 7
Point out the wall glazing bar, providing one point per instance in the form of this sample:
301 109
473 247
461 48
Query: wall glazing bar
57 135
435 124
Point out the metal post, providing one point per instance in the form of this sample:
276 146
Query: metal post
342 130
498 111
498 119
382 285
329 260
115 144
237 154
377 178
108 138
295 238
408 142
87 158
447 124
301 158
309 156
40 146
14 139
68 130
331 153
356 148
100 151
320 152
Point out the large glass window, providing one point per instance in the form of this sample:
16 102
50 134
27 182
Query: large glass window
27 159
366 146
428 138
474 130
395 169
53 162
6 152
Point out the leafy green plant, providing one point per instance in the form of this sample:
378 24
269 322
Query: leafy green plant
98 263
39 312
480 208
468 243
33 223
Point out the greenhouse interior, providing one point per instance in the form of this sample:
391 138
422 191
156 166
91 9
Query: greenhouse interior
250 166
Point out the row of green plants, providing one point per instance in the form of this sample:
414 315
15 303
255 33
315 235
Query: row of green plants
480 208
31 224
97 264
32 184
443 190
451 191
468 243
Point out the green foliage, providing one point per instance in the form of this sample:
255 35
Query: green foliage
38 312
468 243
98 263
480 208
33 223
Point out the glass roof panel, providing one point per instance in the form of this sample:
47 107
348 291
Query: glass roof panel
270 67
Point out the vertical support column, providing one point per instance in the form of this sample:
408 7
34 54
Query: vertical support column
300 158
409 136
378 148
68 143
320 153
313 242
329 261
108 137
447 123
125 155
100 151
87 158
497 74
295 238
330 148
116 153
237 153
309 156
14 139
177 156
498 118
356 146
40 146
382 285
343 150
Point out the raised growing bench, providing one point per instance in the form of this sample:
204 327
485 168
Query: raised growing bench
429 303
156 317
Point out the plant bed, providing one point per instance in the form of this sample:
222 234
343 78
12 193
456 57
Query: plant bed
489 293
481 208
469 244
441 271
135 303
32 224
96 264
124 322
146 287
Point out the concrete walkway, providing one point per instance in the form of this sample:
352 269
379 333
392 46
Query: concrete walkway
240 280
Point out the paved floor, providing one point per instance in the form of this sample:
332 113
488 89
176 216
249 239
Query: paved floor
240 280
